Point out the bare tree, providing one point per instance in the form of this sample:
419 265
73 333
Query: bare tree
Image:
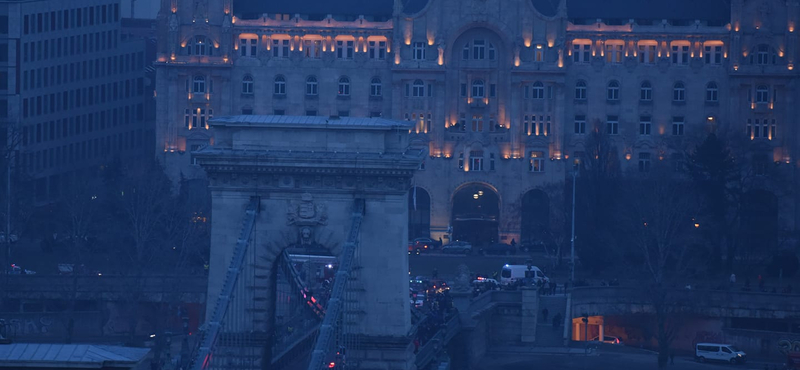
657 222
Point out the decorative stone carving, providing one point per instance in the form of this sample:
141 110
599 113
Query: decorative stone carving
227 23
173 22
200 10
306 212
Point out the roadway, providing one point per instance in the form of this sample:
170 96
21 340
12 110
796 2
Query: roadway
447 264
603 361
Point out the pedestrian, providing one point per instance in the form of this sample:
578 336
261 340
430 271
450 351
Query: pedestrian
553 287
544 314
513 242
672 357
733 279
546 287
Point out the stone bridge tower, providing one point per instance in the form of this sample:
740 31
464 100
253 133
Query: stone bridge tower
307 172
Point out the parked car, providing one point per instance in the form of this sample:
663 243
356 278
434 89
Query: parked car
499 248
532 247
608 339
426 243
457 247
719 352
412 249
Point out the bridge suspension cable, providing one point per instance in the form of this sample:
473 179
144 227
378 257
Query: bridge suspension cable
329 327
209 339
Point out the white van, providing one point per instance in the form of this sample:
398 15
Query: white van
511 273
719 352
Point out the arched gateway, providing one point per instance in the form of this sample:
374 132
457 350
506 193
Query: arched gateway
318 193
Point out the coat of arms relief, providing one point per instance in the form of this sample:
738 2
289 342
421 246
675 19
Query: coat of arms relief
306 215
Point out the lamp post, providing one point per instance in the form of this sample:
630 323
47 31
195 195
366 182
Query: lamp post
572 239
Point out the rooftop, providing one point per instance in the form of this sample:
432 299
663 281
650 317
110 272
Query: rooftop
311 122
708 10
40 355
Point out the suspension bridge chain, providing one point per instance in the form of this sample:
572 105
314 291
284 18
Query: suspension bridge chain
329 325
209 339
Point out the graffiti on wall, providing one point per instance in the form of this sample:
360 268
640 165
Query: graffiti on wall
704 336
30 326
789 345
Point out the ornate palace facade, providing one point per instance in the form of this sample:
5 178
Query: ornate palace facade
502 93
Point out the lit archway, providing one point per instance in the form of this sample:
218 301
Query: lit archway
535 216
419 213
476 210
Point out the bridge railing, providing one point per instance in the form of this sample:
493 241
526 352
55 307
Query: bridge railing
105 286
430 349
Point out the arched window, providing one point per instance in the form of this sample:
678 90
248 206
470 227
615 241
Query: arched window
247 85
762 94
538 90
418 89
679 92
612 92
201 46
478 89
280 85
375 87
646 92
344 86
712 92
311 85
199 85
580 90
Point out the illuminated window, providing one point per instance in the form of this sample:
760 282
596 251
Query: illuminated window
614 52
312 48
199 85
344 86
418 89
344 49
713 54
377 50
538 90
612 125
646 91
762 94
647 52
612 92
280 48
375 87
478 89
311 85
477 122
679 92
581 51
476 160
248 46
580 125
712 92
680 53
677 126
536 162
580 90
419 51
280 85
201 46
247 85
644 162
645 125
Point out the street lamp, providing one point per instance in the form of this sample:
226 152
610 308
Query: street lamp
572 239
